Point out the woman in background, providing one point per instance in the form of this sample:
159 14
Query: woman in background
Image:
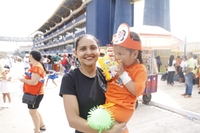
33 84
171 70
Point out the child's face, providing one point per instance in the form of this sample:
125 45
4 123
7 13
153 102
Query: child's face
7 71
125 56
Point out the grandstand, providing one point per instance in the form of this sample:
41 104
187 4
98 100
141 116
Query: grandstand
60 30
76 17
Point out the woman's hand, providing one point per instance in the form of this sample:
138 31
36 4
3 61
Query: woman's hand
117 128
21 79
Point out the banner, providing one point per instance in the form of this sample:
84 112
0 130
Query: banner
16 39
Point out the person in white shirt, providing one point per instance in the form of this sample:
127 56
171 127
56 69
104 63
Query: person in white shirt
45 61
171 70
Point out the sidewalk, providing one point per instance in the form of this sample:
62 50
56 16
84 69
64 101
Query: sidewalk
169 97
16 119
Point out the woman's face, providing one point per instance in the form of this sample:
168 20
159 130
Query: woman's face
87 51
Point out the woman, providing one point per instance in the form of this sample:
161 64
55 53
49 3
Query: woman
180 73
178 62
159 63
50 62
45 61
83 88
33 85
171 70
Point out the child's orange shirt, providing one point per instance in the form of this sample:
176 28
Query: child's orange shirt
33 89
123 99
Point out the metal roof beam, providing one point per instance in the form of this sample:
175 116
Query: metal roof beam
51 21
67 8
59 16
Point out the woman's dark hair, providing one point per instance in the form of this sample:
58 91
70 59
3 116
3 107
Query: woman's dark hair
85 35
157 57
171 58
136 37
37 56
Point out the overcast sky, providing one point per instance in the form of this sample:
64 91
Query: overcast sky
20 18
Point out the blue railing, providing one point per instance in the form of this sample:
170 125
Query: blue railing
60 30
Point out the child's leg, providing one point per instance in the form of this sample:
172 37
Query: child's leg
9 98
47 81
54 82
4 97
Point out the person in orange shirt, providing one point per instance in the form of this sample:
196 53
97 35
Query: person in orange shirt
33 84
129 83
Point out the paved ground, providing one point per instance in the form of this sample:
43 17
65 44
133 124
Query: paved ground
167 112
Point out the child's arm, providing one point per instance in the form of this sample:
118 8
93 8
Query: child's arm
137 86
9 79
3 75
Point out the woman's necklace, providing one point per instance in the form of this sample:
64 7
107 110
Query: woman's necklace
90 75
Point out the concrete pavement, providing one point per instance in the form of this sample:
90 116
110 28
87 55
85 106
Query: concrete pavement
169 97
167 112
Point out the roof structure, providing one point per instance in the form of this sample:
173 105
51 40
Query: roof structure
61 16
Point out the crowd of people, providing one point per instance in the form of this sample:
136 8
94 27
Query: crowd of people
187 68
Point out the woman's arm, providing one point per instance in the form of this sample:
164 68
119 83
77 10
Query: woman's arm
80 124
33 81
72 113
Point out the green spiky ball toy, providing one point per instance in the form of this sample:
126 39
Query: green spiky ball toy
100 119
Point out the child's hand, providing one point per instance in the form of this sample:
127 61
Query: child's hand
9 79
105 76
120 68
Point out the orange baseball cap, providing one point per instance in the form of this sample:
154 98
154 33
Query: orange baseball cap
123 38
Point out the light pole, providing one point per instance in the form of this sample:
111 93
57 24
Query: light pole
185 46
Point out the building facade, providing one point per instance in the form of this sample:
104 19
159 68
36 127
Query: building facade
74 18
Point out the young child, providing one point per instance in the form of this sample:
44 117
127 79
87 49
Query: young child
129 83
52 75
5 86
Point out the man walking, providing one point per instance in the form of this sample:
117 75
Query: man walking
188 70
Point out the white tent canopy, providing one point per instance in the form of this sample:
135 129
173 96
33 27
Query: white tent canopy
155 37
